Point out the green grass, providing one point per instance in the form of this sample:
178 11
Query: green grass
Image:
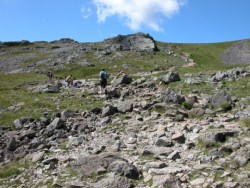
13 91
15 81
13 168
36 104
245 123
239 88
113 127
188 88
206 56
206 146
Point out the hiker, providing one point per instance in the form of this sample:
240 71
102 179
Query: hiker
69 80
103 82
50 75
75 83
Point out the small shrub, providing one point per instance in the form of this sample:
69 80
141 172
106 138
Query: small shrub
13 168
206 146
160 109
211 127
245 123
226 106
187 106
71 172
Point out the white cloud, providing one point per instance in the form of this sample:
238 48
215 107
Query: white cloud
86 12
138 13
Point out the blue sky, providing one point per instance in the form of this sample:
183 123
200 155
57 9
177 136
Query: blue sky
182 21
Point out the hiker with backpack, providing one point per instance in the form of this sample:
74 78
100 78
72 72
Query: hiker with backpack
103 82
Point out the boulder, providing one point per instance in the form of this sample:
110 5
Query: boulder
217 135
122 80
170 77
125 106
48 88
220 98
124 168
108 111
170 96
88 165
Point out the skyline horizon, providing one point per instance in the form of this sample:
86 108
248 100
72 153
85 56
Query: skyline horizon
33 41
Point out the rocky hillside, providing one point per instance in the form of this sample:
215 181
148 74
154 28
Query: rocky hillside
237 53
26 57
154 126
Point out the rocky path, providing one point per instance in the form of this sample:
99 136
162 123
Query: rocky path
142 137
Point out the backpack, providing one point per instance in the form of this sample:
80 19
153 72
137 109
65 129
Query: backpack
103 75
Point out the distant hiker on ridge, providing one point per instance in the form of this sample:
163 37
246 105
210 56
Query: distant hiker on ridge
69 80
50 75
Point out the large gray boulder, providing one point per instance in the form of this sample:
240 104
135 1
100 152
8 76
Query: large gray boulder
125 106
67 114
170 96
113 93
170 77
108 111
88 165
124 168
220 98
113 181
121 81
47 88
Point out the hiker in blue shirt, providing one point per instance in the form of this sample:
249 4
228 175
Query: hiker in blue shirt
103 82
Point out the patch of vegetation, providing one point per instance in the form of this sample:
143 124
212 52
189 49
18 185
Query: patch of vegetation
159 109
71 172
210 127
114 127
245 123
206 146
150 157
206 56
16 101
187 105
13 168
239 88
218 175
195 173
150 182
63 146
226 106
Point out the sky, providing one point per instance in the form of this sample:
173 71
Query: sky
179 21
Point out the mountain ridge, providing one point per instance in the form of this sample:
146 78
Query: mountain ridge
66 51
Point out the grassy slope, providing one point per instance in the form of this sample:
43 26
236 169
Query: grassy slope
208 57
13 91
